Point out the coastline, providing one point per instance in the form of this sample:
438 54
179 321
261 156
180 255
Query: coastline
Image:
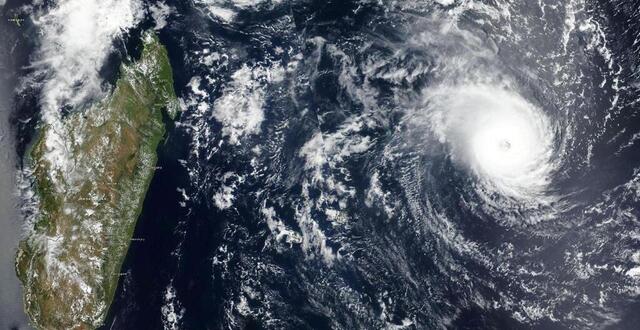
114 177
12 314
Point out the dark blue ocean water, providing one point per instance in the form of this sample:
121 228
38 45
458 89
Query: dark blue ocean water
391 269
14 49
182 244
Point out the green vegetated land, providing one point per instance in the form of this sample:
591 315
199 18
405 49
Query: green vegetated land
70 261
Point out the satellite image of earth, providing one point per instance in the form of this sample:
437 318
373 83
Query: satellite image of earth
319 164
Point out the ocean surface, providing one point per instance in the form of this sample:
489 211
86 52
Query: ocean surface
11 309
368 196
400 165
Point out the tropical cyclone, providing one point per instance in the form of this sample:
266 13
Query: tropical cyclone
70 260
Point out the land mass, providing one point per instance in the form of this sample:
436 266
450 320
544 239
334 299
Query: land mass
71 259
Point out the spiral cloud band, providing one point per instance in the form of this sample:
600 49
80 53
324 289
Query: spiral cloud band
504 140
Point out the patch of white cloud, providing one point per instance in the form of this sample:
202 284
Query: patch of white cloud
376 196
445 2
227 10
333 148
224 197
160 13
172 311
76 37
314 240
324 155
240 108
279 230
225 14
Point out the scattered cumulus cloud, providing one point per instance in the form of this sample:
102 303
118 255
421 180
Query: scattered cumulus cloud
160 13
226 10
172 310
240 109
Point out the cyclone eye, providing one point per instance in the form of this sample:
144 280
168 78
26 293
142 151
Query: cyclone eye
505 145
504 139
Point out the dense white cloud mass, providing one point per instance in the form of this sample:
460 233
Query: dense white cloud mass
506 141
226 10
160 13
76 38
